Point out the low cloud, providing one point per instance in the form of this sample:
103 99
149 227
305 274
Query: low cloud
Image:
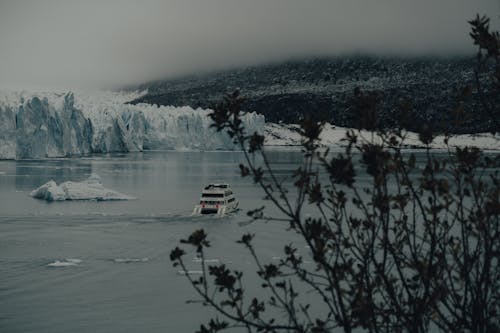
60 43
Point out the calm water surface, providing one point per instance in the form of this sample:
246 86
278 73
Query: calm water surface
121 279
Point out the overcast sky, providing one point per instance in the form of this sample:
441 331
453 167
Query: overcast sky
87 43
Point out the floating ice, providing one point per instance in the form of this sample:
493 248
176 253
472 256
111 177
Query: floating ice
76 261
183 272
65 263
198 259
89 189
129 260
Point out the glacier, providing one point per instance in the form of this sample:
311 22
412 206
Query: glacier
65 124
37 125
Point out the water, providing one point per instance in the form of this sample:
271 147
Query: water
118 277
104 266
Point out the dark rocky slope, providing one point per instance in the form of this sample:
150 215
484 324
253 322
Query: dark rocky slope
426 89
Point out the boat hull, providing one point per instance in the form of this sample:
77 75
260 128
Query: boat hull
221 210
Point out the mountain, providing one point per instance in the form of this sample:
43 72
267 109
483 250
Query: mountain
426 89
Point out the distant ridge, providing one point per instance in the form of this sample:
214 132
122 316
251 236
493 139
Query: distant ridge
323 88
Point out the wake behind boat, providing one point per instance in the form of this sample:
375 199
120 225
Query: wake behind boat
216 199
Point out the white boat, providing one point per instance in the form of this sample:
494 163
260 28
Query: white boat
216 199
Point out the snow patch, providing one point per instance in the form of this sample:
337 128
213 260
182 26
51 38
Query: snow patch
333 136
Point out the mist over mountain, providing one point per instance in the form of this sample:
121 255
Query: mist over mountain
425 89
220 45
95 44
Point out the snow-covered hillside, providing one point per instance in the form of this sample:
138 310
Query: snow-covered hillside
333 136
39 125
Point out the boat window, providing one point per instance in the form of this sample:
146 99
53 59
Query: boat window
231 200
212 195
229 193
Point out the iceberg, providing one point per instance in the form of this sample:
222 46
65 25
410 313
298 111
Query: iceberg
65 124
89 189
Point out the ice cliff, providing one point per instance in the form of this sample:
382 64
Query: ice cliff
67 124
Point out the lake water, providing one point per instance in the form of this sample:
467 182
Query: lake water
119 278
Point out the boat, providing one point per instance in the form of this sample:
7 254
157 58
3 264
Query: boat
216 199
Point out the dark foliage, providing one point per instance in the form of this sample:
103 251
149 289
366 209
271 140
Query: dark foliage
487 73
415 250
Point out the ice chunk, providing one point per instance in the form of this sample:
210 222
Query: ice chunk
89 189
50 192
65 263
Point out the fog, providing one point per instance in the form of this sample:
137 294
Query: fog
62 43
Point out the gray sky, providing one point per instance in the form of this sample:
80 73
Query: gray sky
88 43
